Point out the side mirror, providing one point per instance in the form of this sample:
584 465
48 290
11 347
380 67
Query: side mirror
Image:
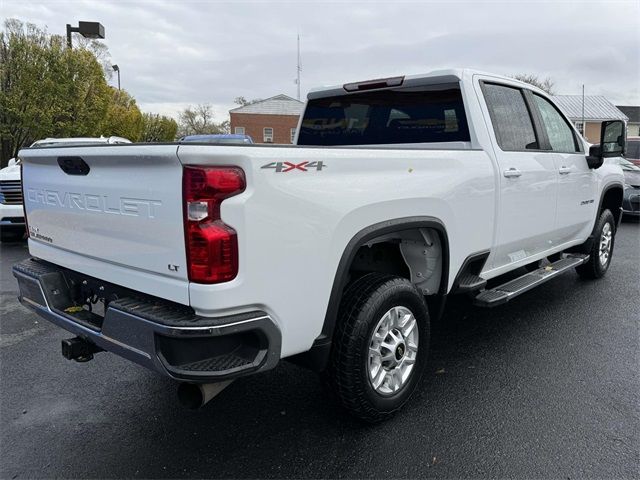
612 138
612 143
595 158
12 162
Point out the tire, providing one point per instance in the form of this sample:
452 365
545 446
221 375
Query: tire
372 312
604 235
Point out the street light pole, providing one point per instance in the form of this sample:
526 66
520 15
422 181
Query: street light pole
69 30
116 68
86 29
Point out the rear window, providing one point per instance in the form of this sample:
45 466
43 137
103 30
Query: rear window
426 115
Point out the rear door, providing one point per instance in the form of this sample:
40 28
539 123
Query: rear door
528 177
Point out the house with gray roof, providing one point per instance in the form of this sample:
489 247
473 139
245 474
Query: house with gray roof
588 118
272 120
633 124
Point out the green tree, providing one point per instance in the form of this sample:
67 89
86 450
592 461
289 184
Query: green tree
47 90
123 117
158 128
545 84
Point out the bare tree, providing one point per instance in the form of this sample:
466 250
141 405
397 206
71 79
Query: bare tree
242 101
199 120
99 50
545 84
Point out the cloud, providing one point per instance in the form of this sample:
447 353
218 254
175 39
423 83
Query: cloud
173 54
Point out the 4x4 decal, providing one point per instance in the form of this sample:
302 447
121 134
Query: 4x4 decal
283 167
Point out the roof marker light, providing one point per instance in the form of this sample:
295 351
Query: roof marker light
373 84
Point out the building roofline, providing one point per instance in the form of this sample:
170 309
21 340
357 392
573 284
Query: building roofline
265 100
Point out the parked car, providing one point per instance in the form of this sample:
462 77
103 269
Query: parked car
631 200
633 150
12 226
223 138
11 214
210 262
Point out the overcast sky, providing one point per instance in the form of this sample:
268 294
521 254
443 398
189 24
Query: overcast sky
175 53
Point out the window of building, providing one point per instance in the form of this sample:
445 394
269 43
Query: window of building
267 135
293 135
558 130
510 117
580 127
238 130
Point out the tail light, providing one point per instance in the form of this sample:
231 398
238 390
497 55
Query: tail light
212 246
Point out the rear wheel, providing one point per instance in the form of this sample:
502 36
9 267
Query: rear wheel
602 248
380 347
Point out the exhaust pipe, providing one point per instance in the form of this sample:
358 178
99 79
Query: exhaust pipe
196 395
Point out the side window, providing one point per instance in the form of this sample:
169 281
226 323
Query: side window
510 117
560 134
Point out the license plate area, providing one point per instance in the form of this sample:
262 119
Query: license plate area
75 296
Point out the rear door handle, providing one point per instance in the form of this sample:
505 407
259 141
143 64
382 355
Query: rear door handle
512 173
564 170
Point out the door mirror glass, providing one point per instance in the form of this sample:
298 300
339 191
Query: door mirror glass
612 138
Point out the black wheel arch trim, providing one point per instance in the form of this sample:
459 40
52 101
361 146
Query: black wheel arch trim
586 246
316 358
616 215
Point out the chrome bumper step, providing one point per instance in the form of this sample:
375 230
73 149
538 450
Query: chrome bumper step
505 292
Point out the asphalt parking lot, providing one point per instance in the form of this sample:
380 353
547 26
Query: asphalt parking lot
547 386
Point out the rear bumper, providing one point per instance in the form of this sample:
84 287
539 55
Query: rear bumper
162 336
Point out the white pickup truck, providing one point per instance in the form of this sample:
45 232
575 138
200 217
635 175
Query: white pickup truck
207 262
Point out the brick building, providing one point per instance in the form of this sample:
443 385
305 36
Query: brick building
273 120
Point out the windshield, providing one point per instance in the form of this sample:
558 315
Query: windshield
425 115
627 165
633 149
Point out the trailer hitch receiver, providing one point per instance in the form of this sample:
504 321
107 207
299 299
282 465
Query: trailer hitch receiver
79 349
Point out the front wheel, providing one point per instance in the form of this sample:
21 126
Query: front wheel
602 248
380 347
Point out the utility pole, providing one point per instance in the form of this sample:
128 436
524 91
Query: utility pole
583 126
299 68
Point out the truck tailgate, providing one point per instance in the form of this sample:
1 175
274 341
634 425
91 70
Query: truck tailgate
119 206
